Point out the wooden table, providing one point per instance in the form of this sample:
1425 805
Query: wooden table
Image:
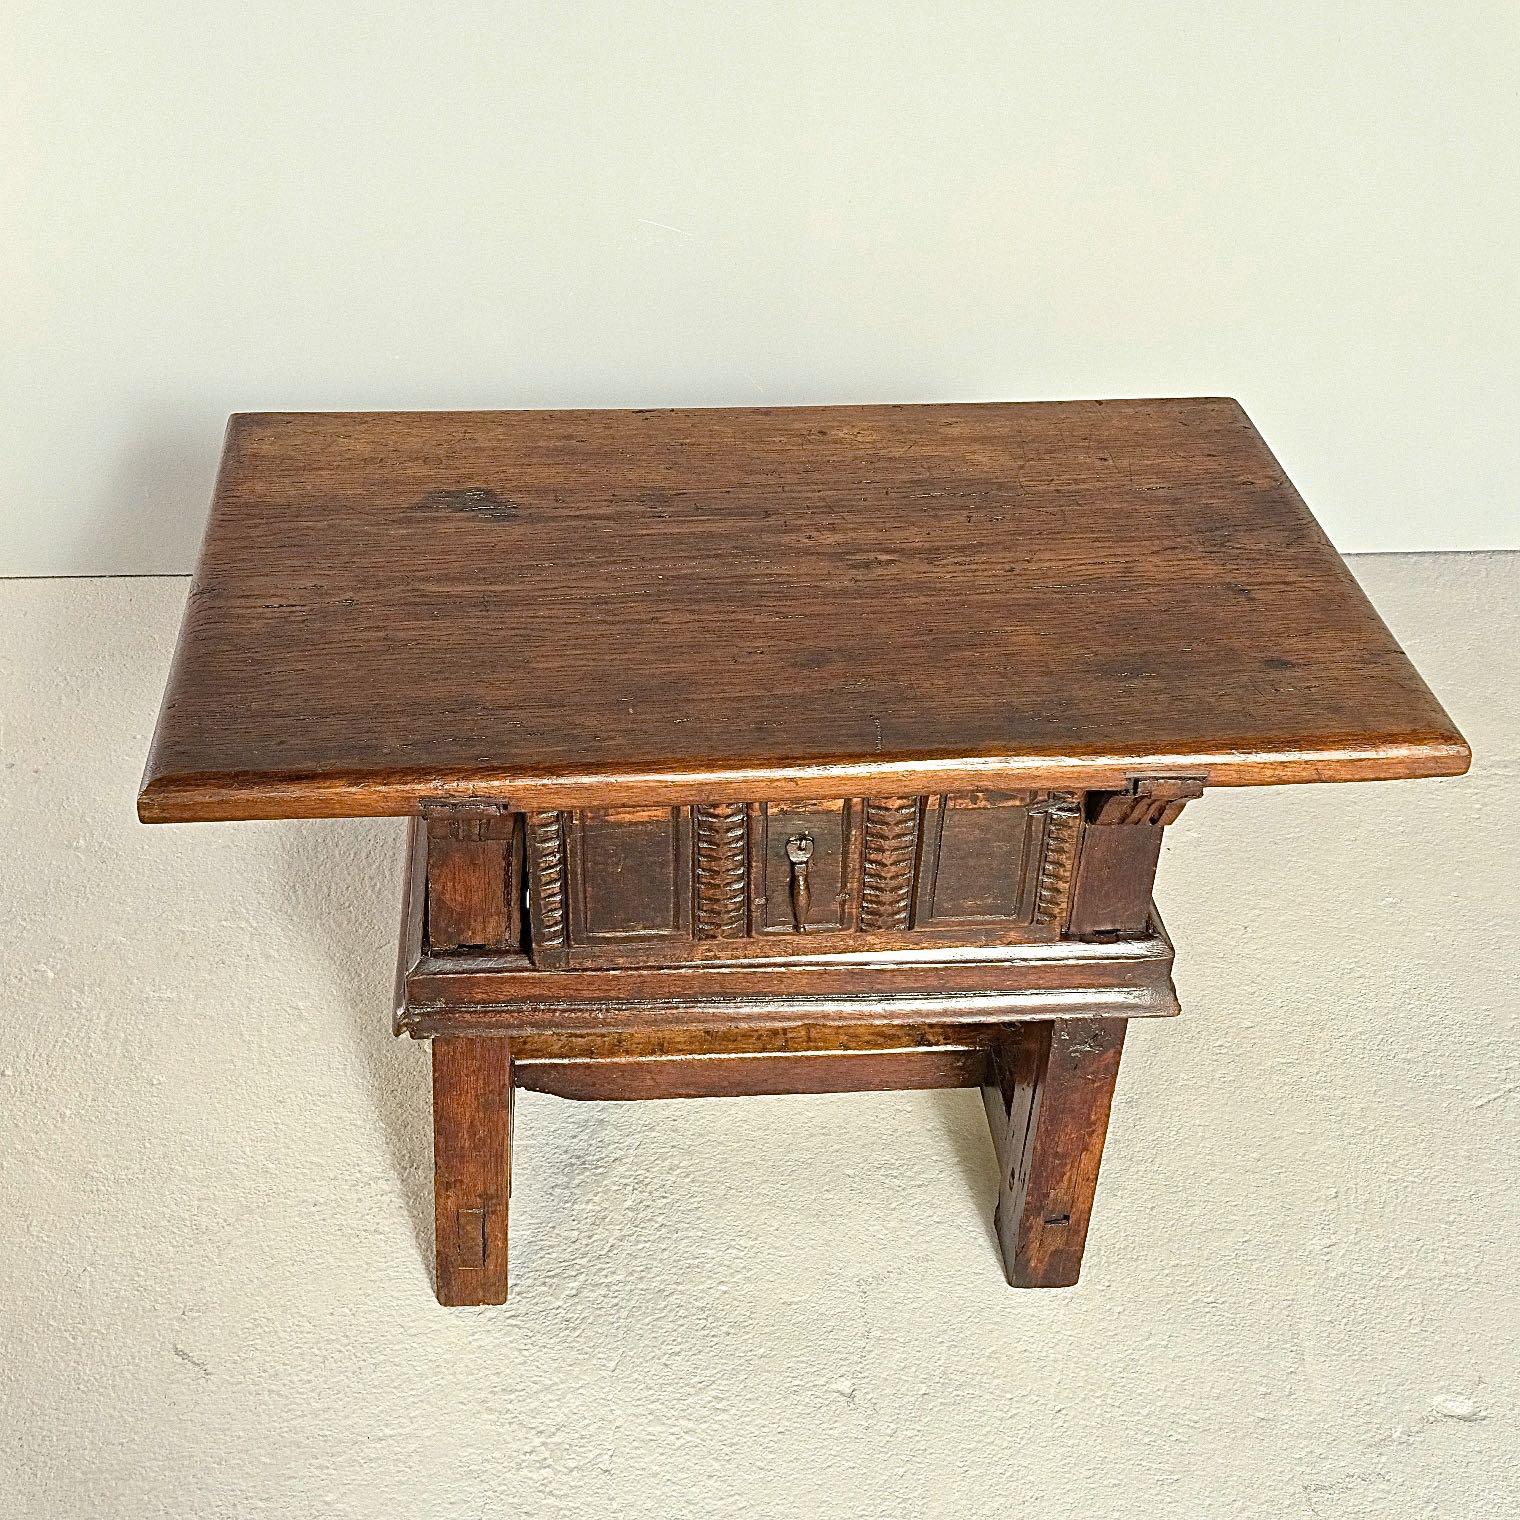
775 750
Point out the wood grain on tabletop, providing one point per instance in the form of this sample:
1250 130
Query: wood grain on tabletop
560 608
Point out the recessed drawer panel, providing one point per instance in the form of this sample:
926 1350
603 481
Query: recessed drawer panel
630 866
979 850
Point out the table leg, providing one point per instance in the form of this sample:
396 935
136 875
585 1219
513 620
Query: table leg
1047 1102
472 1167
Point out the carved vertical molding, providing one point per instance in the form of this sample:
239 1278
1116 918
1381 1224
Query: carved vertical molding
546 879
1058 859
720 837
891 850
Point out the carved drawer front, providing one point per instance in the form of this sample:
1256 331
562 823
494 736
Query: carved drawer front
832 869
726 880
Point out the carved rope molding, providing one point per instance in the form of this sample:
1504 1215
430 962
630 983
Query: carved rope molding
1058 858
546 859
720 839
891 849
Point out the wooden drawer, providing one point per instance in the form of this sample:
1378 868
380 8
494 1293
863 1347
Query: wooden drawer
660 885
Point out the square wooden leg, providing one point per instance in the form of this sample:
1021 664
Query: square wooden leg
472 1167
1047 1098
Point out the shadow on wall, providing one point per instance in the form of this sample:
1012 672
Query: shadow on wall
152 512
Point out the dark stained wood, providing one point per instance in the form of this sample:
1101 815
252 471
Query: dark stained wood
472 1164
628 876
980 860
474 879
1047 1103
549 887
1130 978
730 1076
1120 847
779 1039
890 845
1058 861
600 609
894 1012
829 882
720 864
584 1015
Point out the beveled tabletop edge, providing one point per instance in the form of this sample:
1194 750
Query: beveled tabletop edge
188 798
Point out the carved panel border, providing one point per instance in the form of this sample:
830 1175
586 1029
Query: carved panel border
1058 859
892 830
546 885
720 849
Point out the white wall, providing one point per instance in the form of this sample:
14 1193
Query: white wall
212 208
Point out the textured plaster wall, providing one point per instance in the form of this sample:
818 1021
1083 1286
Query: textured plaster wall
1300 1296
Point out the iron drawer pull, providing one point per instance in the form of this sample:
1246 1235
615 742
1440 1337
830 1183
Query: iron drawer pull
799 850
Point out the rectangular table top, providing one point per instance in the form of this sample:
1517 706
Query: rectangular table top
570 608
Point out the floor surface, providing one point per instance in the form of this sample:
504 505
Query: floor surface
1300 1296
